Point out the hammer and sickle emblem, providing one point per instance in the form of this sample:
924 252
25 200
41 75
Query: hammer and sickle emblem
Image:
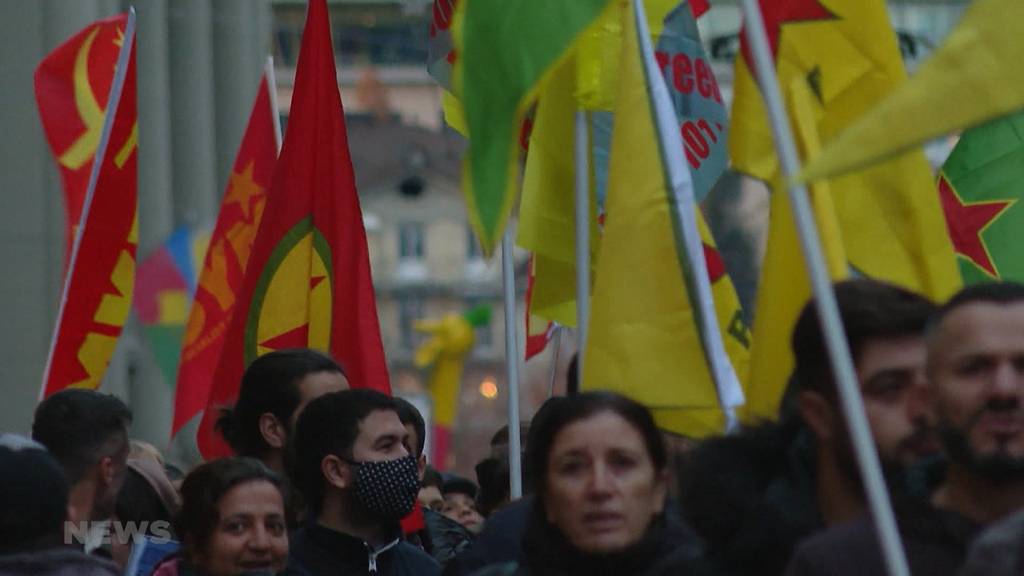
89 110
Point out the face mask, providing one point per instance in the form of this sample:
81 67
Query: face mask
388 489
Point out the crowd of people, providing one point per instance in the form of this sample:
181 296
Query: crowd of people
332 479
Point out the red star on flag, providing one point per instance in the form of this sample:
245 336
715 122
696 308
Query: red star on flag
779 12
966 221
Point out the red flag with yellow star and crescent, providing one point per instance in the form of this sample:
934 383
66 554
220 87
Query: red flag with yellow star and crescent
308 279
72 85
835 60
225 262
101 268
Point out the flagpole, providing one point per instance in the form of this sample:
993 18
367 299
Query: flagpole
554 363
268 70
508 278
828 312
120 73
582 159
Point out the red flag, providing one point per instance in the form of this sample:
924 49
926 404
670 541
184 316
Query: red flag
225 262
308 279
72 86
98 291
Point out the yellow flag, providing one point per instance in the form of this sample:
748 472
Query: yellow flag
843 55
547 213
974 76
653 328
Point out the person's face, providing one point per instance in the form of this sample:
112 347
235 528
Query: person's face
381 437
430 497
976 369
251 533
602 489
315 385
892 379
462 509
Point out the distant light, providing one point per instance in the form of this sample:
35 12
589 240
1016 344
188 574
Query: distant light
489 388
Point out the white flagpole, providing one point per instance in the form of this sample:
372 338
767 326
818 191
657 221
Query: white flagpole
557 336
582 159
508 278
268 70
828 311
120 73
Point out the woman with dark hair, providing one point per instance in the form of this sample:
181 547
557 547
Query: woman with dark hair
598 468
233 521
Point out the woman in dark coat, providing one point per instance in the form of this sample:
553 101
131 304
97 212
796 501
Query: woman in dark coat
597 464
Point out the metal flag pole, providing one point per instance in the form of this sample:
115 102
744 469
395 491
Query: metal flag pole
557 337
116 87
582 159
508 279
828 311
268 69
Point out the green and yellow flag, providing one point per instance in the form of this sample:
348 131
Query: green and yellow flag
504 50
839 58
980 185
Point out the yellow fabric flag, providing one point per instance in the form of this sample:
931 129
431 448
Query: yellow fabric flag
889 218
976 75
653 328
547 213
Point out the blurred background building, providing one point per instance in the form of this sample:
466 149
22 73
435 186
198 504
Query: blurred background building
199 62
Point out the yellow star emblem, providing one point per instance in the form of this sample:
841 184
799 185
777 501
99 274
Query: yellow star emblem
242 190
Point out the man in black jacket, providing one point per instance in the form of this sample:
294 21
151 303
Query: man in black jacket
976 380
359 480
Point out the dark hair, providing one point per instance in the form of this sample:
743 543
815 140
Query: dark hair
557 414
572 376
869 309
80 427
269 384
500 437
408 414
989 292
459 485
138 502
202 491
431 477
34 497
330 425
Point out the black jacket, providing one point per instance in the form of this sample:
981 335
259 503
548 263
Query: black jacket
499 542
935 542
321 551
668 549
442 537
61 561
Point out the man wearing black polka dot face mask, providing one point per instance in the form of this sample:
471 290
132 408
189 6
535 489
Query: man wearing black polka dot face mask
359 480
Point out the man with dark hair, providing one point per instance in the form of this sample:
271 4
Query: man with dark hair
33 511
275 389
884 327
782 481
460 503
430 496
87 433
359 480
975 366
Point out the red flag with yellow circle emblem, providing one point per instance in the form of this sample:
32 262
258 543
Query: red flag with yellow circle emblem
308 280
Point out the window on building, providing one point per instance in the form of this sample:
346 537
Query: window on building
410 241
410 309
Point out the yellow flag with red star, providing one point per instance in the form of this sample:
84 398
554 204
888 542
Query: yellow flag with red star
843 54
